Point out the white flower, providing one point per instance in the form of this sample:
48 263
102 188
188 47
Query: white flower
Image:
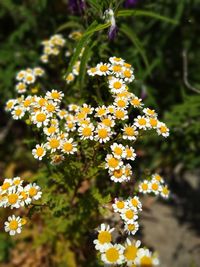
20 75
86 131
10 104
155 187
121 114
38 71
149 112
113 254
131 228
144 187
135 203
164 191
92 71
129 132
40 118
13 225
118 150
146 258
29 78
116 85
55 95
13 198
20 87
136 102
54 143
162 129
119 205
68 147
130 252
129 153
116 60
112 163
104 237
103 133
103 69
18 112
118 176
34 191
129 215
39 151
141 122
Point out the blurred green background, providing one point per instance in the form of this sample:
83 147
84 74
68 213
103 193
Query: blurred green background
166 60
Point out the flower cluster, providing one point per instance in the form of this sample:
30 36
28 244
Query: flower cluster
128 210
116 254
52 47
156 186
14 194
27 78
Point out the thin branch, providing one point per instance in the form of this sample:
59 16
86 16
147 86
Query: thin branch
185 73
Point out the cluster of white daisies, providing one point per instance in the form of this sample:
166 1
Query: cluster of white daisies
27 78
116 254
155 185
52 47
14 194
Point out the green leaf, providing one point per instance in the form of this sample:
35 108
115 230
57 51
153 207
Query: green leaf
132 36
125 13
94 27
68 25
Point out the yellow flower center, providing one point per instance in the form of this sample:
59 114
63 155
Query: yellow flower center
121 103
119 114
103 68
145 186
118 151
87 131
55 95
68 147
127 73
129 152
93 70
154 186
146 262
107 122
165 190
112 255
104 237
118 173
27 103
163 129
127 65
129 214
40 151
29 78
12 198
153 122
41 117
54 143
32 191
18 112
113 162
129 131
120 204
135 102
134 202
51 129
117 85
117 68
24 195
13 225
50 107
101 112
102 133
131 227
42 102
142 121
130 252
17 182
5 186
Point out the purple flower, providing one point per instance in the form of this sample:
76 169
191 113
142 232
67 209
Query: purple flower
130 3
112 32
77 6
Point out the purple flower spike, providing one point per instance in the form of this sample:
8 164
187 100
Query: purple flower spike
112 32
130 3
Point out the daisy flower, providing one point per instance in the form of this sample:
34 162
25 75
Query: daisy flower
104 237
10 104
70 125
144 187
121 114
34 191
116 85
129 132
162 129
86 109
7 183
129 215
118 150
153 122
111 109
135 203
13 198
18 112
55 95
29 78
130 252
53 143
164 191
40 118
118 176
108 121
25 199
121 102
113 254
129 153
51 107
136 102
103 133
128 75
101 111
116 70
20 75
149 112
20 87
141 122
131 228
17 181
51 130
146 258
38 71
103 69
13 225
27 102
112 163
73 107
154 187
39 151
128 171
68 147
86 131
92 71
119 205
116 60
57 159
62 113
158 178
